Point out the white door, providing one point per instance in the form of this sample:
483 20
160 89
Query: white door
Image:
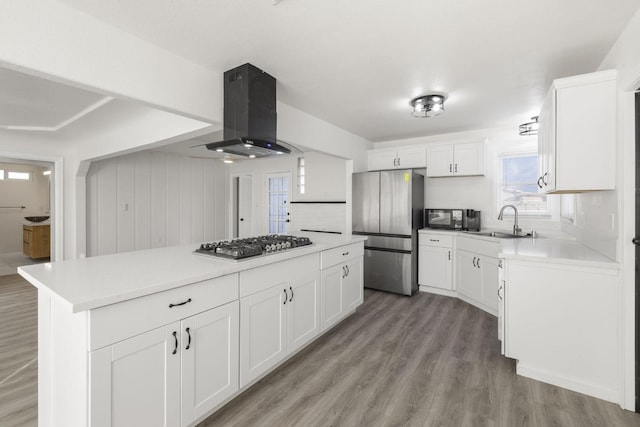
440 160
136 382
468 275
490 282
209 360
468 159
332 307
242 206
262 331
303 316
353 287
278 194
435 267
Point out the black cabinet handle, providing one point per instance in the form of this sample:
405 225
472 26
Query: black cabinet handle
539 185
189 342
449 256
180 303
285 297
478 263
636 241
291 289
344 272
347 267
434 240
499 295
175 337
345 253
455 169
543 180
474 261
450 168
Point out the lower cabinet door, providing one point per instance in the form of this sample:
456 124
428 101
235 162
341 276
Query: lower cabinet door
469 276
262 331
331 299
490 282
353 286
303 317
136 382
435 267
209 360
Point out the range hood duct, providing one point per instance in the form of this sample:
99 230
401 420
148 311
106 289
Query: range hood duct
250 119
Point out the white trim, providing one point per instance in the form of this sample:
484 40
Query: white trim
626 205
57 213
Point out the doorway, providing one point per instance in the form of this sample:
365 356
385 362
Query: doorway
241 206
278 193
26 213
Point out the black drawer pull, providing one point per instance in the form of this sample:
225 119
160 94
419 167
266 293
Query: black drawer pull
345 253
180 303
189 342
291 289
285 296
434 240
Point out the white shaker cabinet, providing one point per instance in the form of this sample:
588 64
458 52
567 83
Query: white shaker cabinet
575 140
280 318
342 286
401 158
435 261
477 273
137 381
455 159
169 376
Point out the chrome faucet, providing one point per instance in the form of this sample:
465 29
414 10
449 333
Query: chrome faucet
516 229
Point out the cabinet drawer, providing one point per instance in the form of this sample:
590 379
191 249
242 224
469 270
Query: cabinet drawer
340 254
123 320
26 235
483 247
261 278
437 240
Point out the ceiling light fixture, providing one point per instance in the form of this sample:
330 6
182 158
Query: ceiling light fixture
427 105
530 128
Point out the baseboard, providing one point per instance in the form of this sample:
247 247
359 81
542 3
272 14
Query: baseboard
568 383
478 304
438 291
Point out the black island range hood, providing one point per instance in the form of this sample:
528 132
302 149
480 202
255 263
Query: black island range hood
250 120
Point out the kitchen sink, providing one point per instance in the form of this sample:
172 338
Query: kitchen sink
497 234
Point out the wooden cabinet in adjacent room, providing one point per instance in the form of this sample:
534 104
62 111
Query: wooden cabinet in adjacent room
36 241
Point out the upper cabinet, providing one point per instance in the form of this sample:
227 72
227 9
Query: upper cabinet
577 134
455 159
401 158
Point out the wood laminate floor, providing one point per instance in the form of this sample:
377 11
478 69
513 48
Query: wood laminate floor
18 352
422 361
427 360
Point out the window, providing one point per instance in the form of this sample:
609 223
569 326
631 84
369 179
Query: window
300 175
519 185
22 176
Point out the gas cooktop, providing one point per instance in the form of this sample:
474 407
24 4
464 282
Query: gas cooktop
252 246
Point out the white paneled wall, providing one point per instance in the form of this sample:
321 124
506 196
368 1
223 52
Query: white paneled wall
152 199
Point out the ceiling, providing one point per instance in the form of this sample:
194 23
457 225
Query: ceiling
357 63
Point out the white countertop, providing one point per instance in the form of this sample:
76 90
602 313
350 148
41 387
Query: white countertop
535 249
89 283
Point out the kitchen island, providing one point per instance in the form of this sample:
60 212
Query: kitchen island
166 337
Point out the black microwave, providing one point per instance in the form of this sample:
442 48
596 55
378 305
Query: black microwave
452 219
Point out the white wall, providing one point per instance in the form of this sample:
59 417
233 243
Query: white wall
152 199
328 178
480 192
300 128
625 57
33 194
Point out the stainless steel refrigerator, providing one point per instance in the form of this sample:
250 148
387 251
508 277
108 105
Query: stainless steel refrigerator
388 208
